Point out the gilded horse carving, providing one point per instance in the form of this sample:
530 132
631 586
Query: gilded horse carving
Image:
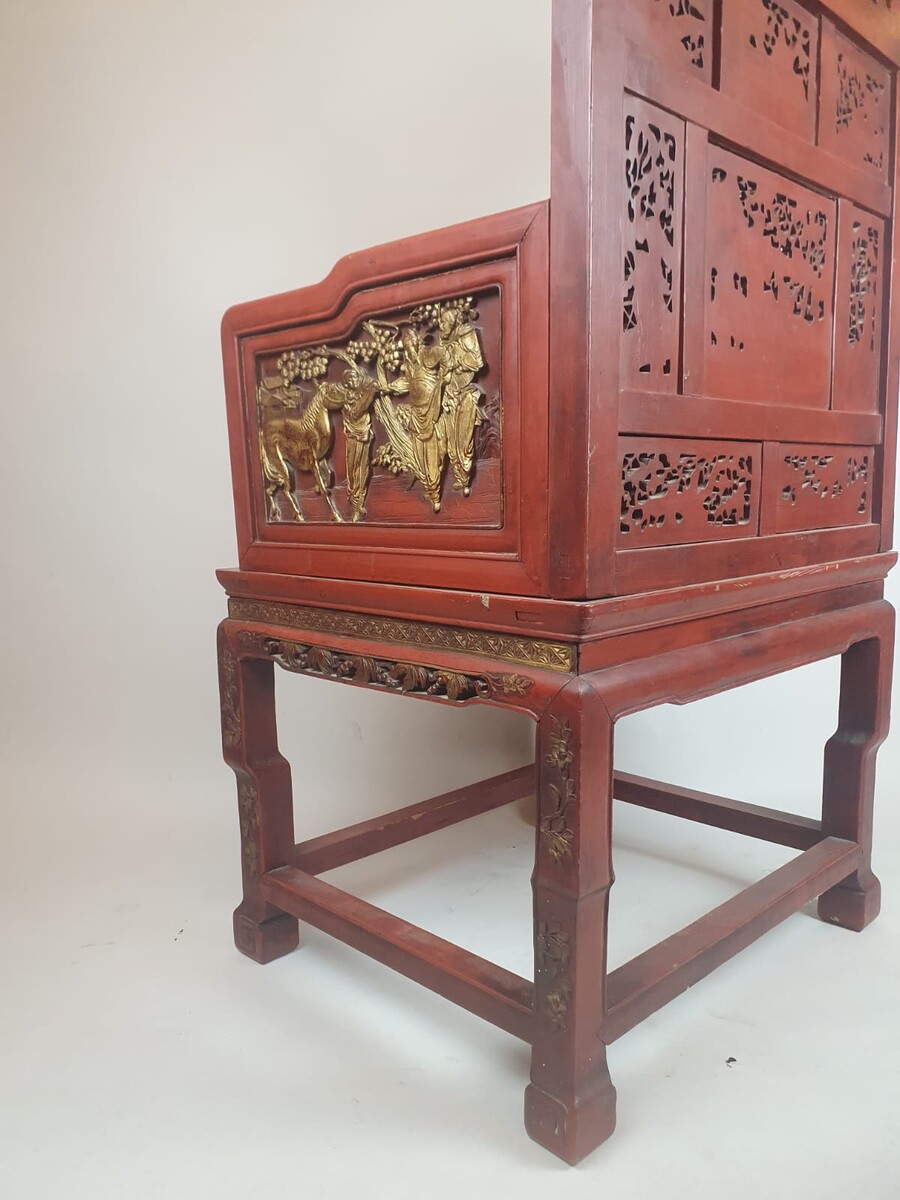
291 444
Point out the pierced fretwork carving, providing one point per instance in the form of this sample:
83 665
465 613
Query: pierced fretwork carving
677 30
816 487
855 104
769 308
858 311
654 172
679 491
769 60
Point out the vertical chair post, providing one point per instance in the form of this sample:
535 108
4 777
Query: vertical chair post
849 777
570 1104
265 804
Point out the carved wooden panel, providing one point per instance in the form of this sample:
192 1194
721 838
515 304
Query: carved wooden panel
815 487
398 423
651 313
855 104
676 491
679 31
770 54
859 309
770 268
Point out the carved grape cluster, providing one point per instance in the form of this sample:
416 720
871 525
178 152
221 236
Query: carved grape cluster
428 315
303 364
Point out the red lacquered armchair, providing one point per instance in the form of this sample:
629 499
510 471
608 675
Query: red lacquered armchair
633 446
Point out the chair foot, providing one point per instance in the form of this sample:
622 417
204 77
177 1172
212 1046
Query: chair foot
852 906
570 1131
264 941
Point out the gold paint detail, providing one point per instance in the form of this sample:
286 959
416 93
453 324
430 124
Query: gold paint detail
524 651
555 830
430 356
231 717
552 953
247 797
557 1006
511 685
409 678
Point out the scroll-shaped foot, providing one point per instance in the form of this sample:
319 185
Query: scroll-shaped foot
264 941
570 1130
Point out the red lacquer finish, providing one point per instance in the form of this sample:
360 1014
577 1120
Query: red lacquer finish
628 447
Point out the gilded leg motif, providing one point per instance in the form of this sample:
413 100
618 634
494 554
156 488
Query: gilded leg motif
570 1104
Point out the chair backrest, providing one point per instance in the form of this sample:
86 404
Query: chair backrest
720 259
682 369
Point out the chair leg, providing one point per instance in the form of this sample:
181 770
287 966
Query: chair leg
570 1104
265 804
849 784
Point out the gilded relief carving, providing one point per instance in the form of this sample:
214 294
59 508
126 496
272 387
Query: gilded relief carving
249 826
231 717
408 400
409 678
556 832
552 951
529 652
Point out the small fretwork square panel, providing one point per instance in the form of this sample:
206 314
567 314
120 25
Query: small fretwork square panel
680 32
855 104
651 310
769 278
770 51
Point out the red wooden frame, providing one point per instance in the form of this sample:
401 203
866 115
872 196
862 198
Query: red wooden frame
508 251
659 544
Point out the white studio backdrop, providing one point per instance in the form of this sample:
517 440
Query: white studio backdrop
162 161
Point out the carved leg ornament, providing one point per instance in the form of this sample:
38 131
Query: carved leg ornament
570 1104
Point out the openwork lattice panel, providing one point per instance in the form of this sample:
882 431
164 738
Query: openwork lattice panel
816 487
859 309
676 491
678 31
855 113
770 264
651 307
770 60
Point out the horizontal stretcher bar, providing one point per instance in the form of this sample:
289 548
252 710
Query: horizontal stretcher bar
336 849
645 984
371 837
767 824
483 988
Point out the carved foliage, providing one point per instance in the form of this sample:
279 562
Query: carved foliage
769 60
410 678
816 487
854 119
683 491
556 832
552 953
858 311
247 809
769 304
654 180
230 708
